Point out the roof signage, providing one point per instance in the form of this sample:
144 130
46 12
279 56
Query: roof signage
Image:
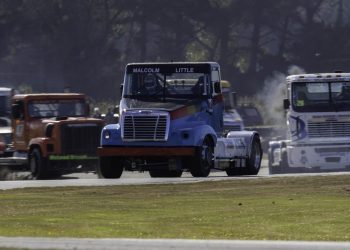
146 70
184 70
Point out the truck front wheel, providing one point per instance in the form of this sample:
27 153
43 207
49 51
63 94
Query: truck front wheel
233 171
38 165
284 165
110 167
203 160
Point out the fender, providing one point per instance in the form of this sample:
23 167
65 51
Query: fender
247 136
200 132
40 142
111 135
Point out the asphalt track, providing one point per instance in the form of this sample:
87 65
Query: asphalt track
148 244
135 178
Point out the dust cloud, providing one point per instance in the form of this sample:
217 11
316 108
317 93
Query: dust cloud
272 95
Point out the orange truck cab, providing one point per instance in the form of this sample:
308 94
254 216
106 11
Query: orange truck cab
53 134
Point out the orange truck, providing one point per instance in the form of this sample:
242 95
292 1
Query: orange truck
52 135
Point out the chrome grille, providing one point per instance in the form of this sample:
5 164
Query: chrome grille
145 127
329 129
80 138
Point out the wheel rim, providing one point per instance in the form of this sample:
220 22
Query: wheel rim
206 156
33 166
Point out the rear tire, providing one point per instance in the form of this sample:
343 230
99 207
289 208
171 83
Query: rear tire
253 163
38 165
110 167
233 171
275 169
203 161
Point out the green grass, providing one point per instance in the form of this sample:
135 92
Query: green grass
302 208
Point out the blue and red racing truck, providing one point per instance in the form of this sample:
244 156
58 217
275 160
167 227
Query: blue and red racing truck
171 120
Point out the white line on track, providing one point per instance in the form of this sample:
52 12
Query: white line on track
164 244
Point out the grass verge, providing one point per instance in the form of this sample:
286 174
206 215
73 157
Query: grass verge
293 208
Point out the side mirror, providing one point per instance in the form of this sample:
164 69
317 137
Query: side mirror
16 111
217 87
116 109
286 103
121 88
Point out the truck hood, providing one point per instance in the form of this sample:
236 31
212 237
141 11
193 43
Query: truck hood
170 104
38 126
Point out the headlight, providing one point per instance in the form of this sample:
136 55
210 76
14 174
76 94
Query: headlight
106 134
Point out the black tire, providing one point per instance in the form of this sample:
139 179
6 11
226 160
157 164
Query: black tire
275 170
233 171
110 167
4 171
284 165
203 161
253 163
38 165
270 158
162 173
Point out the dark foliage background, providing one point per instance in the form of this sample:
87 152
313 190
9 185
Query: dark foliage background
84 45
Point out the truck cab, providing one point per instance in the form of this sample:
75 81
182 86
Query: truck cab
53 133
318 121
171 117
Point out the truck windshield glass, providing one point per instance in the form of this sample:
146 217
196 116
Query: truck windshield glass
56 108
321 96
175 85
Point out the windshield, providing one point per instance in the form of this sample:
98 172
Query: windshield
170 81
56 108
321 96
143 85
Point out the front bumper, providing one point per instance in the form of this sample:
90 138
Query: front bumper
325 157
145 151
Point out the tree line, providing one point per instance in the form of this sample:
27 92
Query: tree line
84 45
